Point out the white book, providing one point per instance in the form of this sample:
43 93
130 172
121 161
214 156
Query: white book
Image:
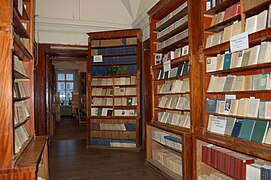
211 64
261 20
212 84
264 53
218 126
253 107
255 54
251 24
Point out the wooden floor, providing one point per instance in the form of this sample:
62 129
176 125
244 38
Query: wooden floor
69 159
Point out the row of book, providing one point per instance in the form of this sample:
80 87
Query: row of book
173 39
18 66
130 69
130 101
227 14
214 176
128 143
117 81
212 3
182 70
244 107
114 42
240 83
114 51
250 130
226 161
174 87
21 112
173 26
181 120
131 59
112 127
116 92
225 35
110 111
171 141
256 55
172 14
20 89
171 55
21 136
179 103
258 22
169 160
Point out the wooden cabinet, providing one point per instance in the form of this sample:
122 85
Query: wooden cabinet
113 90
17 133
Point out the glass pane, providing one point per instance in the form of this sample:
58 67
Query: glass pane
62 97
69 85
69 77
68 97
60 86
61 77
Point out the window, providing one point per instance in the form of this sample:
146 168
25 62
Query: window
65 86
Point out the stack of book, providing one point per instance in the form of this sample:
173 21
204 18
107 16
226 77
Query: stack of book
114 42
130 69
102 102
171 141
249 130
181 120
114 51
112 127
130 143
130 101
178 103
256 55
182 70
174 87
102 92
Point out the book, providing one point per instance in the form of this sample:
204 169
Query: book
236 128
211 64
229 125
228 99
234 107
227 61
264 53
253 107
242 107
247 129
256 81
239 84
267 139
220 62
259 131
212 84
227 33
220 84
236 59
218 126
228 86
236 28
251 24
263 81
211 105
261 20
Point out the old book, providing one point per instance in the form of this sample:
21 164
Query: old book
236 59
229 125
261 20
253 107
246 57
236 28
228 86
176 86
262 109
268 110
227 33
251 24
263 81
181 103
247 129
259 131
185 86
210 122
248 83
217 38
264 53
218 126
168 103
220 83
227 61
175 119
18 66
267 139
174 103
220 106
209 41
228 99
211 64
220 62
242 107
234 107
254 56
237 128
256 81
268 83
239 84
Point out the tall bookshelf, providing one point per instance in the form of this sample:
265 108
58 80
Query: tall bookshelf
175 98
23 155
234 125
113 90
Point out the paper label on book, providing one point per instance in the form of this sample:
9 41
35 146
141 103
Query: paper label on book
239 42
98 58
167 66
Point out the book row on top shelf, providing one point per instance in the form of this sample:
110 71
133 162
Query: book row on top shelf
113 92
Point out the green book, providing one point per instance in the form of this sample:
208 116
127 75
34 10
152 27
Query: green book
114 70
100 110
259 131
227 61
119 70
109 70
125 70
256 81
247 129
262 109
129 101
263 81
229 125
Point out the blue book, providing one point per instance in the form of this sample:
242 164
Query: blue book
227 61
247 129
237 128
130 127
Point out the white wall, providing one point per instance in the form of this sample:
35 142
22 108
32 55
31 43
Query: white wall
75 65
68 21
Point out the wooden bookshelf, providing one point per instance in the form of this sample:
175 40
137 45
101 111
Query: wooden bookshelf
166 9
21 150
120 51
205 134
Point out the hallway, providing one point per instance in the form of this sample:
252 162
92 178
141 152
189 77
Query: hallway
69 159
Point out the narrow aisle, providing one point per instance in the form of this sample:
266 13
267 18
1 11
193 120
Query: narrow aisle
69 159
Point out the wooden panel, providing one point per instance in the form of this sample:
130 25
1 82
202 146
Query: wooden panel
113 34
6 105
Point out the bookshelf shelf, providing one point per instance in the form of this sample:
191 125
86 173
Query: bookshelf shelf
20 148
113 42
175 45
176 17
221 7
177 30
173 62
168 147
220 26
